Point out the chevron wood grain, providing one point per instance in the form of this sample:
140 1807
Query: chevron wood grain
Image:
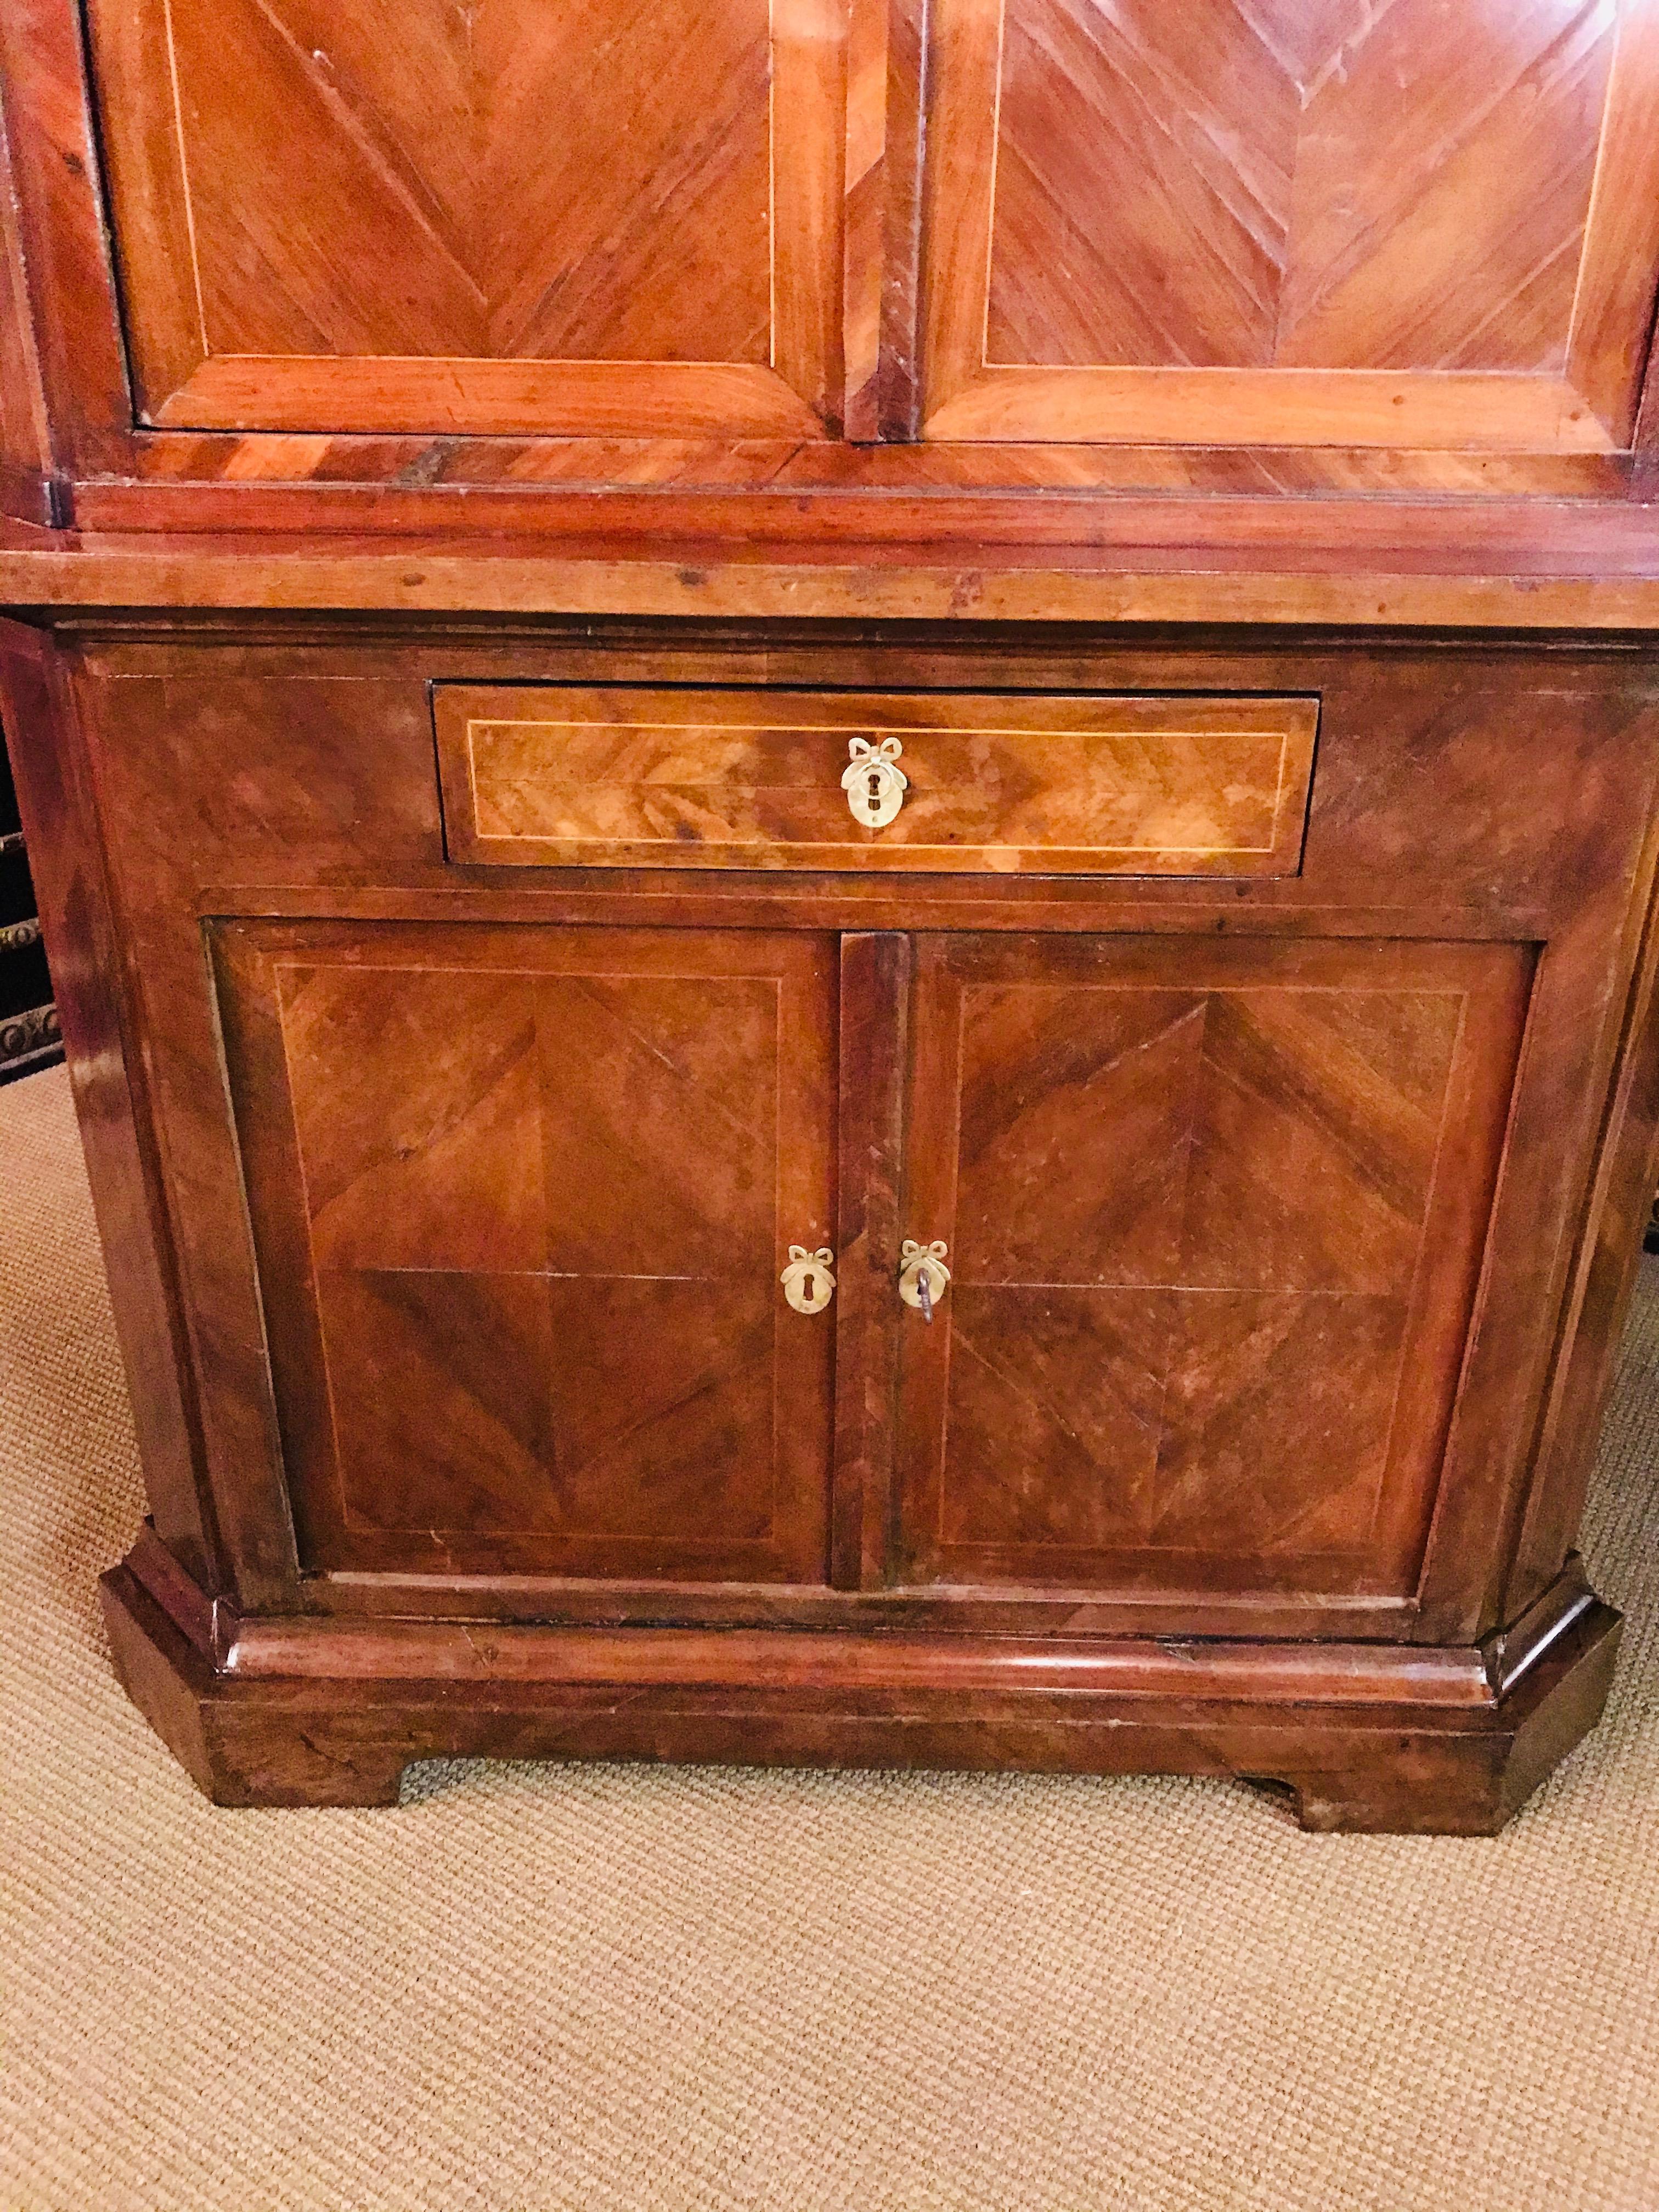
1359 221
544 1186
410 215
1209 1284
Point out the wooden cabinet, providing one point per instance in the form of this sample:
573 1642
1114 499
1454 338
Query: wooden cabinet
1244 1433
1423 228
849 819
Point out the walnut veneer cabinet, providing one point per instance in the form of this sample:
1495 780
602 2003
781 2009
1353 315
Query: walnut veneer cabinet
848 816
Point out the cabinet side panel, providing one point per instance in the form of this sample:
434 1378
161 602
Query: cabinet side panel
67 861
1620 1206
76 324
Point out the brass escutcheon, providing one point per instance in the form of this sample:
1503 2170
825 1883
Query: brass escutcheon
874 783
923 1275
809 1283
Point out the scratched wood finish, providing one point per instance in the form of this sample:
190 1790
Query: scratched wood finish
401 215
1213 1218
522 1201
25 434
1412 225
721 779
188 479
881 243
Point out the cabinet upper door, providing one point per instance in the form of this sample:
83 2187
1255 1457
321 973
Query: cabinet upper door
524 216
1421 222
521 1199
1214 1212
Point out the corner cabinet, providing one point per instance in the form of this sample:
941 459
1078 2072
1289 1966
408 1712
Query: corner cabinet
848 816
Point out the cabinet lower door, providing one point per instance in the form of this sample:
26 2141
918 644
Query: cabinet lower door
1214 1214
521 1199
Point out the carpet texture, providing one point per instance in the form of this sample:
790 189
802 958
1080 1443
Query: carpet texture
613 1987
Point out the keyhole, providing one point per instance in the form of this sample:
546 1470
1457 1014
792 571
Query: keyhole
809 1289
875 794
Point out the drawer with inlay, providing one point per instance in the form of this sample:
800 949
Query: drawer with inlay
556 775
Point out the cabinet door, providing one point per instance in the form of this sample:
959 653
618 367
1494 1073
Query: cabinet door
515 216
1420 224
521 1198
1214 1213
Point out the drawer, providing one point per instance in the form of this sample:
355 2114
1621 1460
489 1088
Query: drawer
557 776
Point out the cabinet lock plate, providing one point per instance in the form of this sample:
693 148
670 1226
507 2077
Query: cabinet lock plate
809 1281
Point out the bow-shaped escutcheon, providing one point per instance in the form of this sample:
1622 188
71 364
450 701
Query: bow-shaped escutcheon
923 1275
808 1282
874 783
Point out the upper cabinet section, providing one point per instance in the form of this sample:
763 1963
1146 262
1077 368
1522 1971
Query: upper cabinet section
1389 222
564 217
715 247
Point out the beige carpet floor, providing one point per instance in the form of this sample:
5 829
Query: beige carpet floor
649 1990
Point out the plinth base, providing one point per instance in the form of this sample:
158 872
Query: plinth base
1456 1757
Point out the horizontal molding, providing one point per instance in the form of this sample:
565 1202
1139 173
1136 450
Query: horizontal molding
453 397
386 1650
413 583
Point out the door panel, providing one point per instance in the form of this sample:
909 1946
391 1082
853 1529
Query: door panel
1214 1214
521 1199
1418 224
524 215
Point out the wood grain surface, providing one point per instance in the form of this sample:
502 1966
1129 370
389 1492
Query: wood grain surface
26 457
1381 249
1214 1221
1135 787
365 217
1412 1766
522 1201
1346 224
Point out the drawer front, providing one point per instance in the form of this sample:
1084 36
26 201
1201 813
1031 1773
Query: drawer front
556 775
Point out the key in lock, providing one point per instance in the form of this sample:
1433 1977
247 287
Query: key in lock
874 783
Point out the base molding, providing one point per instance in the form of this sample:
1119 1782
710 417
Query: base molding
1364 1754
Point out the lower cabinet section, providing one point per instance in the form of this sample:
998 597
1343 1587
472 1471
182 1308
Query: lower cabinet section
548 1226
1058 1202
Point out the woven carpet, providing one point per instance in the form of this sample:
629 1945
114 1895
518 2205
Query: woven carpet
658 1988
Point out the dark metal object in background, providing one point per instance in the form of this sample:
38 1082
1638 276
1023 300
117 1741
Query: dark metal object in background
29 1036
